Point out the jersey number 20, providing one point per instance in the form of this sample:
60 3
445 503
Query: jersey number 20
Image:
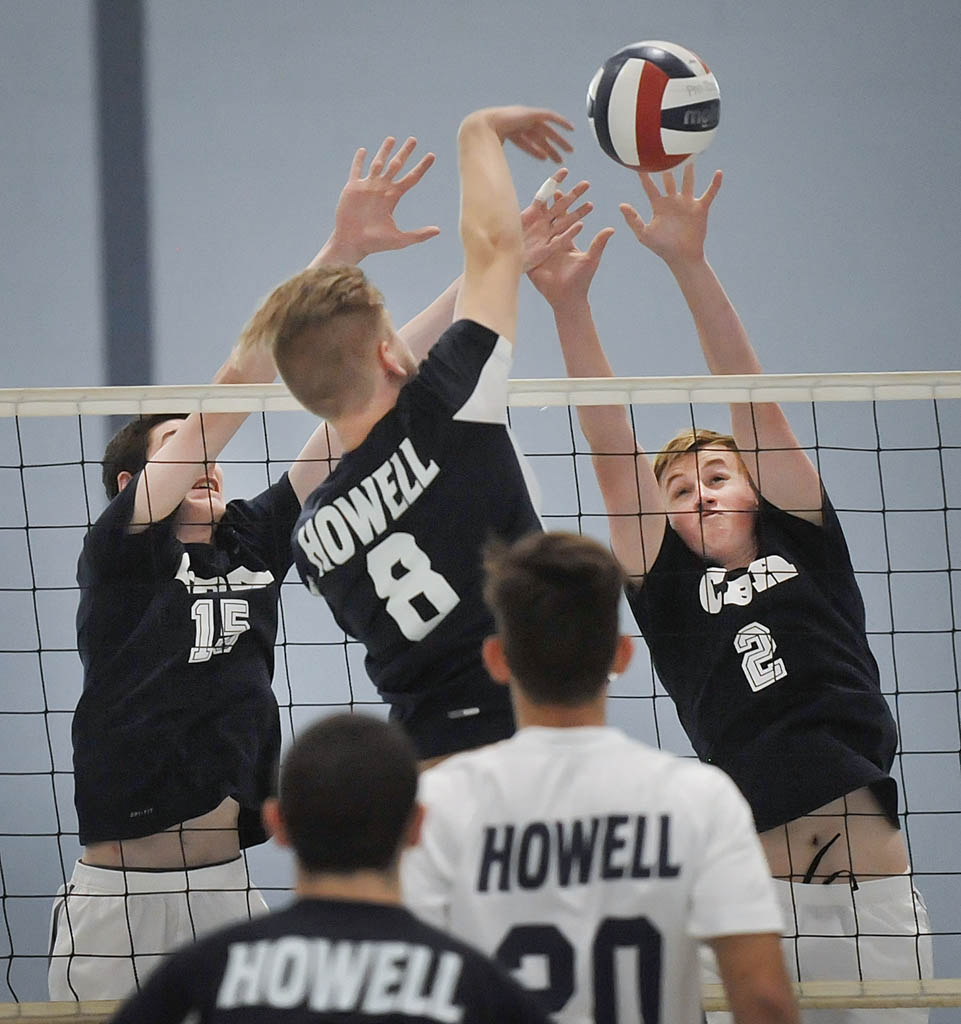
418 598
635 935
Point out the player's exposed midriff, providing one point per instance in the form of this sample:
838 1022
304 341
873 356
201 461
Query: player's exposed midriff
863 843
211 838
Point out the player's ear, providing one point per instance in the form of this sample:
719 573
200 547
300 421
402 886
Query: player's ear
623 653
274 821
123 478
414 826
492 652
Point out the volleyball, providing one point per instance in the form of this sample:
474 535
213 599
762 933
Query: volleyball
652 105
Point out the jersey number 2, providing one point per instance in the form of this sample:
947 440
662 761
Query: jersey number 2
755 642
635 936
234 619
418 598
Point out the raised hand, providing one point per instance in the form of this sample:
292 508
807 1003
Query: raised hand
678 224
532 130
564 276
549 224
364 219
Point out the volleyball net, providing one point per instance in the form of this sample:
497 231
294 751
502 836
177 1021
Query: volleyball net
888 447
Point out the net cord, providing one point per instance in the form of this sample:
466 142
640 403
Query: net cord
800 387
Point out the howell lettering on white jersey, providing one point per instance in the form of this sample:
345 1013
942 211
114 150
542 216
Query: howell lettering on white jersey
591 866
578 852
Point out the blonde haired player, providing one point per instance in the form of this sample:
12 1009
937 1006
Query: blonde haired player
743 587
391 539
589 864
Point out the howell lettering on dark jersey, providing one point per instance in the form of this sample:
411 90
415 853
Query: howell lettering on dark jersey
331 962
330 536
349 977
577 852
392 540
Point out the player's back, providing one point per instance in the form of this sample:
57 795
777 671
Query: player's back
590 865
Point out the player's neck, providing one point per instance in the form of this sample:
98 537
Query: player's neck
197 533
557 716
353 429
358 887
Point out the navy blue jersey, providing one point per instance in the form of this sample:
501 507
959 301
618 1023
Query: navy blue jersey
325 961
177 644
770 667
392 538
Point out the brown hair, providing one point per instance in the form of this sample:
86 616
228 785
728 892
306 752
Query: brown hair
692 440
322 327
127 449
348 787
555 599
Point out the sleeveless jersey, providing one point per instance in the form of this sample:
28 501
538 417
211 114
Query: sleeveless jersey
331 962
770 667
591 866
177 644
392 538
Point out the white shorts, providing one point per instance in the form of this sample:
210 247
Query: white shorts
875 932
110 928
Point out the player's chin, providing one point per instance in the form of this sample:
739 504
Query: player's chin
202 506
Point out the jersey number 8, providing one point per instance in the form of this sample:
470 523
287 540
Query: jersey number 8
418 598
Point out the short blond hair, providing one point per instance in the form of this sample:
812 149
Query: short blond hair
322 327
692 440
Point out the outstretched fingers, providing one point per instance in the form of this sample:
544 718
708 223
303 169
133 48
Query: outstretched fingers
417 172
563 241
598 244
712 190
633 219
406 238
549 189
651 190
380 157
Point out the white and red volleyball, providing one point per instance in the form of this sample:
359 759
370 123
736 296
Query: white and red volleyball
653 104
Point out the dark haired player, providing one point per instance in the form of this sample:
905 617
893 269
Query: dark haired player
346 950
177 732
391 539
589 864
743 586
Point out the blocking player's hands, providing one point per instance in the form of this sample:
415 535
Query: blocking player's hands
364 218
549 224
532 129
564 278
678 224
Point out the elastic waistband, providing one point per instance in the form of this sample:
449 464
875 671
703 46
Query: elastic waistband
877 890
118 881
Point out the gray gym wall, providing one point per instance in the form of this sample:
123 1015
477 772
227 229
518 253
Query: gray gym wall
836 233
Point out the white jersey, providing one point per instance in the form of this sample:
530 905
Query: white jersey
590 865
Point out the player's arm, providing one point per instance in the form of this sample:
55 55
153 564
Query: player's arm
364 224
755 979
490 224
542 223
676 231
182 458
624 474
